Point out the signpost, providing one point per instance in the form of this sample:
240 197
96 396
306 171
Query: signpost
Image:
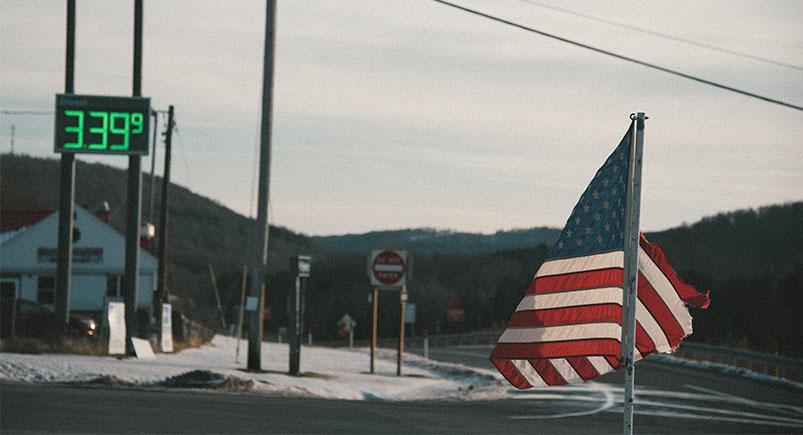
167 328
101 125
348 324
302 265
116 320
388 271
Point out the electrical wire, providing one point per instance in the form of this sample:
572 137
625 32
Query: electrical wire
664 35
621 57
183 154
26 112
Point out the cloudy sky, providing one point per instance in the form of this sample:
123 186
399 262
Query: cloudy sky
398 114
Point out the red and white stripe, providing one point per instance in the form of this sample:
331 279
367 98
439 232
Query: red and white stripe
567 328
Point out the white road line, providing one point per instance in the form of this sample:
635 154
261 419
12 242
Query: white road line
746 401
671 414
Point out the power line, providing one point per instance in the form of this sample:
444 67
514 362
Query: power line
183 155
26 112
664 35
622 57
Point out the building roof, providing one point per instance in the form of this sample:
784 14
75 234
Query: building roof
12 220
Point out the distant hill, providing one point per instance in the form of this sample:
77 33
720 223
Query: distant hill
202 230
427 241
738 243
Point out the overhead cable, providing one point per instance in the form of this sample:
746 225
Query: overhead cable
664 35
621 57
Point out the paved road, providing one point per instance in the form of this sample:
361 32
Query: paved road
685 398
671 399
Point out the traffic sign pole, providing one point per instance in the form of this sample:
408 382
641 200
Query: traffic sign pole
374 315
134 199
400 349
295 329
66 189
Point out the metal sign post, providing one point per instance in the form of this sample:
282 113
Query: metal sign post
134 199
374 319
66 189
387 270
400 346
295 328
302 265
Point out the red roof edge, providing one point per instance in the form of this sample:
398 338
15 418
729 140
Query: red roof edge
12 220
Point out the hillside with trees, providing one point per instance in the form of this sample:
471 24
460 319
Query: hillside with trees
427 241
202 232
751 261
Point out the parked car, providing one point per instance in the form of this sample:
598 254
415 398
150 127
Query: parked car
34 320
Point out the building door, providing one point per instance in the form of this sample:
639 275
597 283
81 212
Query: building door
8 301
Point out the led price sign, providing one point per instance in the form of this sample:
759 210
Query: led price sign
102 125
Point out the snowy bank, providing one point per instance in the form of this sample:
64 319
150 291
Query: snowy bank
325 373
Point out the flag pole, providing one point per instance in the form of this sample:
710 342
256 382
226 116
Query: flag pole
630 293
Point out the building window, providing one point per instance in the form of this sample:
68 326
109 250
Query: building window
112 286
46 290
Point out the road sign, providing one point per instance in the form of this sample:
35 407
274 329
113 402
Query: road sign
167 328
116 318
102 125
304 263
347 323
409 313
387 269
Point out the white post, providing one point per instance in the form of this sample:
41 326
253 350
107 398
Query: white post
426 347
630 278
351 339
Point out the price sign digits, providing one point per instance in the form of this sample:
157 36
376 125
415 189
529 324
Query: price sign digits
102 125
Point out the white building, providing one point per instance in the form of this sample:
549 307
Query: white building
28 246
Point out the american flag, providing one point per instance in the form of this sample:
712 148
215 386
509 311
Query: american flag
567 328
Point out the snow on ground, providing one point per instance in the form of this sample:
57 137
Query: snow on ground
326 372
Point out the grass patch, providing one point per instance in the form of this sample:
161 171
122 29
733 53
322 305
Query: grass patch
190 343
97 347
55 345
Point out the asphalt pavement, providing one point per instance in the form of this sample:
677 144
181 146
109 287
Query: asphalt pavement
670 399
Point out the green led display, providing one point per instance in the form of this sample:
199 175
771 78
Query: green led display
102 125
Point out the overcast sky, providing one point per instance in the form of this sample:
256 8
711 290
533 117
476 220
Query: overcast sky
398 114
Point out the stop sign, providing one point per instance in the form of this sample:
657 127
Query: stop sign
387 268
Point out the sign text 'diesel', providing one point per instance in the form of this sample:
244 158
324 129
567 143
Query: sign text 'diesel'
93 124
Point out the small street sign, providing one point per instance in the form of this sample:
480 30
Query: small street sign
347 323
387 269
304 265
409 313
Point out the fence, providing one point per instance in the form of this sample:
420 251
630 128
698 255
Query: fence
773 365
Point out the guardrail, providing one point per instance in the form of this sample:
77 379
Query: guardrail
773 365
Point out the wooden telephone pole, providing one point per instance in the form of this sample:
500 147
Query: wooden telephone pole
261 252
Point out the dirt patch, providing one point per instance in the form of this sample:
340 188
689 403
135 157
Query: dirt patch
206 379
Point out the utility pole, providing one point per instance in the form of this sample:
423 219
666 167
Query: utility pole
217 297
12 139
134 199
66 189
261 230
164 221
152 187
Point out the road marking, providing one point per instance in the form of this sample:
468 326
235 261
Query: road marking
762 417
746 401
717 418
608 402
